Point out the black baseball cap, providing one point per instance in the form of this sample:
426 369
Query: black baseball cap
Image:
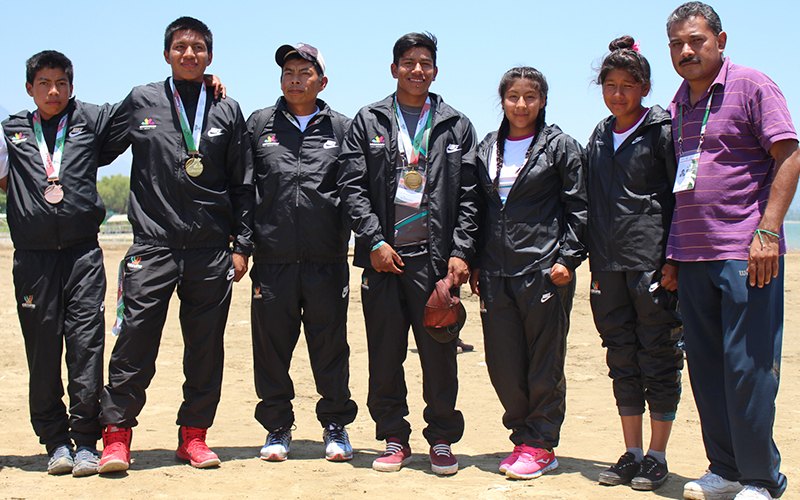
307 52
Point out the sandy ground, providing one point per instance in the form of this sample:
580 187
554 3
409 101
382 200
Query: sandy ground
590 439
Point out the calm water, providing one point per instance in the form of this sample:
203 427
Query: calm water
792 230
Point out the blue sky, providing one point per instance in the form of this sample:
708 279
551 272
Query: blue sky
117 45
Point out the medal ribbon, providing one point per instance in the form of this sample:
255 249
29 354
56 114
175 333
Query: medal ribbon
192 137
52 166
419 146
702 127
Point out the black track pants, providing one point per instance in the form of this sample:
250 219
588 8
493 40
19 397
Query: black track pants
60 302
284 296
203 278
392 303
525 324
640 328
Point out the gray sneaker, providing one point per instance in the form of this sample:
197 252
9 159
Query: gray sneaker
337 444
87 461
61 461
276 448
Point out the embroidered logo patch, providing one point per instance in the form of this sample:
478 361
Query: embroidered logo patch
546 297
147 124
345 290
135 263
365 283
378 141
330 144
18 138
27 302
271 140
76 131
453 148
653 287
257 292
214 132
595 288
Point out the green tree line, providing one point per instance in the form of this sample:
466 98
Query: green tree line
114 191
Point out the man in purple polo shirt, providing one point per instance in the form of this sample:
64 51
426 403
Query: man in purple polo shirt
737 174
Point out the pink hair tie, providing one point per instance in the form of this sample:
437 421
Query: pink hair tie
636 46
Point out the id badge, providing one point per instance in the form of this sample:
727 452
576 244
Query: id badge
687 172
405 195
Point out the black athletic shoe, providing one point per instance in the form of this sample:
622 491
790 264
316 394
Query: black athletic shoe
622 472
651 475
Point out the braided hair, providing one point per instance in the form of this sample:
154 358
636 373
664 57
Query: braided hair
540 84
626 57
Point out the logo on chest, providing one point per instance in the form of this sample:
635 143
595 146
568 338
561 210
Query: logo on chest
18 138
147 124
76 131
271 140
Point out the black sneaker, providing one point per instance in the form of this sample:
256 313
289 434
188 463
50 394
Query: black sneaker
622 472
651 475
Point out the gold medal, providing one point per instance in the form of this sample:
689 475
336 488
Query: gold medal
413 180
53 194
194 166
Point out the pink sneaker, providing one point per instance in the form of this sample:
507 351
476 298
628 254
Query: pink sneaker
532 463
116 449
394 458
509 460
193 448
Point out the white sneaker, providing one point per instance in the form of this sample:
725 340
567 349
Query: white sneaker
276 448
711 487
337 444
753 493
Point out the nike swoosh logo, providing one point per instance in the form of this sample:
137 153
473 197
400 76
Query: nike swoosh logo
329 145
453 148
638 139
75 133
546 297
214 132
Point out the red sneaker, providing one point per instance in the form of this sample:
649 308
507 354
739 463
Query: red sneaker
116 449
443 462
193 448
509 460
394 458
532 463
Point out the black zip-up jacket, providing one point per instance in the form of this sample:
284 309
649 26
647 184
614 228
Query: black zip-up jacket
168 208
298 216
630 195
35 224
543 221
367 182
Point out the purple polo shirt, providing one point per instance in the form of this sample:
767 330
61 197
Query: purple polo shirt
716 220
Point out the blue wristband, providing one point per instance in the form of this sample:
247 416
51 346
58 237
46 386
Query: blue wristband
377 245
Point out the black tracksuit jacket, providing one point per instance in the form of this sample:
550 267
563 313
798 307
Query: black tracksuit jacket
168 208
35 224
543 221
630 201
298 216
367 182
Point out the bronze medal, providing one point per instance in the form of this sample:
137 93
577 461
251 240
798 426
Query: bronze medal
53 194
194 166
413 180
